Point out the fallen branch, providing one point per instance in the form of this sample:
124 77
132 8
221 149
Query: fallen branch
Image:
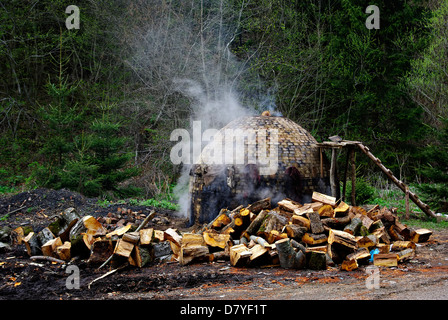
107 274
46 258
147 219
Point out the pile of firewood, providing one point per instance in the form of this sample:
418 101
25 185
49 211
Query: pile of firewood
314 235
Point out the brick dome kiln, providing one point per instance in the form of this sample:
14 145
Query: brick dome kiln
297 171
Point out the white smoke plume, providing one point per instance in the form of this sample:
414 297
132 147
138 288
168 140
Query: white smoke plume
183 48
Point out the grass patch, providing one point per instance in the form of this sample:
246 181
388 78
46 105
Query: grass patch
157 203
430 224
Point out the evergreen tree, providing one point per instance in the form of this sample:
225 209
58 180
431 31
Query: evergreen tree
108 155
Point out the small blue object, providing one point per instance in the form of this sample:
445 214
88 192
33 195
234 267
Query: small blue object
372 253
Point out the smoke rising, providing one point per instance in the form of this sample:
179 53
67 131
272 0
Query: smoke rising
182 48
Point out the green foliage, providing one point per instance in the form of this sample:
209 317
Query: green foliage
324 68
365 193
435 170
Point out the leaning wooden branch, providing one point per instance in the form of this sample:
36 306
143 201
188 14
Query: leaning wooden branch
107 274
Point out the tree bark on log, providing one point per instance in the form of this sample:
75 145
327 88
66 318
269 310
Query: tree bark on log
315 223
259 205
289 258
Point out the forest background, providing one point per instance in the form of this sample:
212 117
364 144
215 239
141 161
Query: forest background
92 109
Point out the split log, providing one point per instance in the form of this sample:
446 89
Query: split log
62 225
366 221
305 209
259 255
123 248
119 231
336 223
63 251
394 234
260 241
373 212
193 248
333 253
175 250
295 232
369 241
32 244
341 210
349 264
132 237
49 248
239 255
256 223
289 205
242 220
301 221
192 239
385 259
402 245
18 234
140 257
325 199
406 254
316 260
159 235
100 251
383 247
376 225
322 248
343 238
216 240
326 211
221 220
356 210
314 239
220 255
161 250
353 227
86 225
274 221
421 235
259 205
275 235
146 236
315 223
362 256
173 236
382 235
289 258
45 235
403 230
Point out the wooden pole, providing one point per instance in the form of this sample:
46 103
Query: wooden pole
353 165
344 182
333 174
407 203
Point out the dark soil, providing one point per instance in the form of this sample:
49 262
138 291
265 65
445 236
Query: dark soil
423 277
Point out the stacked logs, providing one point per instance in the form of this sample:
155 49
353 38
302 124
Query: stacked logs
313 235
